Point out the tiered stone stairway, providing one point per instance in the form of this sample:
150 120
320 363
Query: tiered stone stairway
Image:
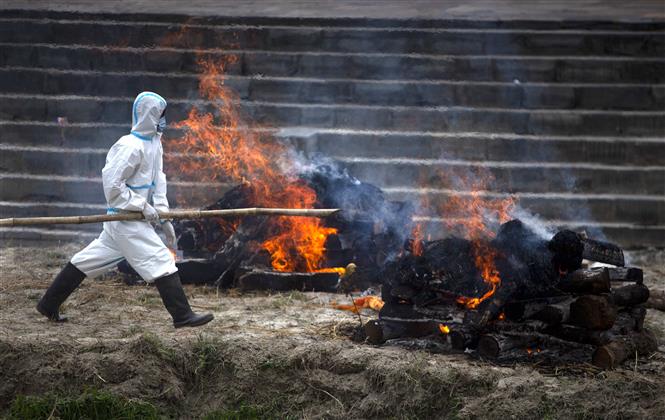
569 116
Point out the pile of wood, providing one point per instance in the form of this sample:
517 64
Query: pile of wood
548 307
602 308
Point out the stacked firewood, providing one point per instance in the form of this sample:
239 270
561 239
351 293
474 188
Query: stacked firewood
601 307
548 306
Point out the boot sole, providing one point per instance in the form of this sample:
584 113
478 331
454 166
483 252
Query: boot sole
196 323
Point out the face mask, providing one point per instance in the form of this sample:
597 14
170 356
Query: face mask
161 125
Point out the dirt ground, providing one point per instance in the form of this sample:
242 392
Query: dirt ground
283 355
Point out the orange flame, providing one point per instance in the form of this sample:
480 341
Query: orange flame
480 213
444 329
371 302
220 146
418 237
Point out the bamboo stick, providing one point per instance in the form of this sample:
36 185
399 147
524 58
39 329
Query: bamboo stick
173 215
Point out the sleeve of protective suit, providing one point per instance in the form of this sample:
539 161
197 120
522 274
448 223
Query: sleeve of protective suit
159 200
121 163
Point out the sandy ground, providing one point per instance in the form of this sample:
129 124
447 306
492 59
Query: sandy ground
285 354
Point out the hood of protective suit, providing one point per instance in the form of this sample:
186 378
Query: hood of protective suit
146 112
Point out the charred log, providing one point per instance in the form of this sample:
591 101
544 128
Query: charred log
626 274
632 295
462 339
603 252
491 346
379 331
586 281
611 355
279 281
555 313
593 312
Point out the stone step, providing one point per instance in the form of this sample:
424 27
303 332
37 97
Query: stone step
491 120
336 21
472 146
635 151
618 151
342 91
563 207
568 207
75 189
39 236
335 39
508 177
559 69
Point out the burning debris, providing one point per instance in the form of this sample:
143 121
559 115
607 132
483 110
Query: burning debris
544 306
495 285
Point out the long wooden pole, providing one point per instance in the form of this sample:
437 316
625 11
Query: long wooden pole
173 215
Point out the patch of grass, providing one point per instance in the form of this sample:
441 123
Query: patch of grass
208 357
248 412
273 364
150 343
93 405
133 330
149 299
282 300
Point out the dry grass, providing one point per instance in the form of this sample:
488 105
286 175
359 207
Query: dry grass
275 356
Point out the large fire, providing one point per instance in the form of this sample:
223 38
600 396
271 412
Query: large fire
480 216
220 146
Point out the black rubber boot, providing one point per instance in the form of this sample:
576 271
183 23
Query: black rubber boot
175 301
63 285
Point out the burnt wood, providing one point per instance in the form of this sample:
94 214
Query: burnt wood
632 295
612 354
491 346
584 281
603 252
379 331
626 274
555 313
462 338
592 312
280 281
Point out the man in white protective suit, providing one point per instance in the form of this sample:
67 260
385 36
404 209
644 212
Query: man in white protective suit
132 177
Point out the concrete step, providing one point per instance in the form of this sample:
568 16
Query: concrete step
472 146
631 151
337 21
572 69
39 236
494 120
508 177
88 190
342 91
567 207
358 39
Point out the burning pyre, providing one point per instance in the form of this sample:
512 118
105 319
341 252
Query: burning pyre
492 284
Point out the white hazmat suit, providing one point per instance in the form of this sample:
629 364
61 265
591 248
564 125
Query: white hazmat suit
132 177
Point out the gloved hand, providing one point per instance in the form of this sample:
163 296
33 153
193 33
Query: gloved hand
150 213
169 232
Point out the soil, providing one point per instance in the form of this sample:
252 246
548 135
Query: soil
285 354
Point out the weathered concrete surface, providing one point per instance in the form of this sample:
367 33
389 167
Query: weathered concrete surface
615 10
